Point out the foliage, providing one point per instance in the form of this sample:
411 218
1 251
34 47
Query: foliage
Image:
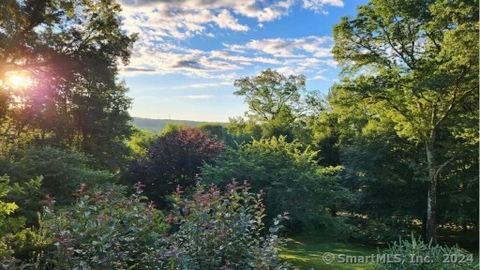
274 100
394 150
174 159
415 62
270 93
105 230
386 173
139 143
12 232
6 209
416 254
70 50
224 231
244 130
62 171
288 175
220 133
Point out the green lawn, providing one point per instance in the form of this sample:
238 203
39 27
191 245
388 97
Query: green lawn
305 252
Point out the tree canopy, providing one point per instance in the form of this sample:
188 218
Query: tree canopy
417 63
66 53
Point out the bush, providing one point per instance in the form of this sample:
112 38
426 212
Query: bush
218 132
288 175
62 171
105 230
139 143
6 209
174 159
223 231
415 254
13 235
381 230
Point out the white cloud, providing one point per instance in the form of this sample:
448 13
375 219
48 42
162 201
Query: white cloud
181 19
307 55
318 6
316 46
225 20
163 25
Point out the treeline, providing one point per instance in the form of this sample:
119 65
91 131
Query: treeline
390 150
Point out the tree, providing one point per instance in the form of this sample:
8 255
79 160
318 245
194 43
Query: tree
66 54
270 93
218 132
140 141
244 130
418 60
289 176
173 160
273 100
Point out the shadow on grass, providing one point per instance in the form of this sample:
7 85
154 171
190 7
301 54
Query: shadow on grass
306 252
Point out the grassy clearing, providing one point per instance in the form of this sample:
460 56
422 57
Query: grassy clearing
305 252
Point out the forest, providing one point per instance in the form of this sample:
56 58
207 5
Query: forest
386 163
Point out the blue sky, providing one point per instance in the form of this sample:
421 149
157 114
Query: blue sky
190 52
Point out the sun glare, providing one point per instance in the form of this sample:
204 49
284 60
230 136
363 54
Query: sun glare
18 79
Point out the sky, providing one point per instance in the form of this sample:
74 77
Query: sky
189 52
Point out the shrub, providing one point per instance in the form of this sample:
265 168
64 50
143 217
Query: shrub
62 171
381 230
13 235
139 143
289 176
6 209
218 132
415 254
223 231
105 230
174 159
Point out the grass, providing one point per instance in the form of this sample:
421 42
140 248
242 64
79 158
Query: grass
306 251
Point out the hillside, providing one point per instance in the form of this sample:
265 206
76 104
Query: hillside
155 125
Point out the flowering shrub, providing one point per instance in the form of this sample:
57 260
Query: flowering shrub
223 231
106 230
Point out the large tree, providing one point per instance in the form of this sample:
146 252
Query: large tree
270 93
418 60
275 102
58 75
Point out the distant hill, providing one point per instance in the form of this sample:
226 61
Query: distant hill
155 125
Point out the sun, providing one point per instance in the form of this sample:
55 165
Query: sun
18 79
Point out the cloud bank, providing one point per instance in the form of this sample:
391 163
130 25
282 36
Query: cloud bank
164 26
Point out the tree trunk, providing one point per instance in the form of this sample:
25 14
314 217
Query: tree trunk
431 226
